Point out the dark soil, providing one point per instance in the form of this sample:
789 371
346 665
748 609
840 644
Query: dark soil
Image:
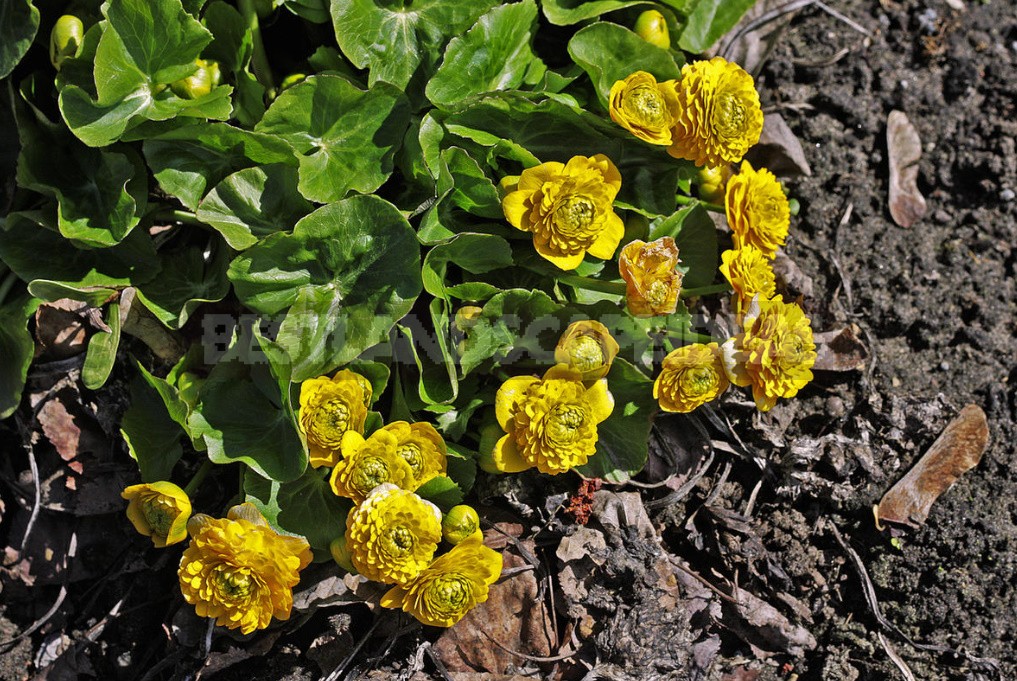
740 576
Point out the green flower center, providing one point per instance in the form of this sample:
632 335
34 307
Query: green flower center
332 419
730 117
792 349
450 592
646 105
233 584
656 294
410 452
371 472
574 215
400 540
698 381
586 353
564 422
159 514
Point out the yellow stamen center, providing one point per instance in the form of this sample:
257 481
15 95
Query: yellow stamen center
400 540
159 514
233 584
450 592
370 473
698 380
574 215
563 423
657 292
586 353
646 104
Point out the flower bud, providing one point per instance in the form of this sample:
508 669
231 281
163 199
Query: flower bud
199 83
652 27
341 554
711 181
459 524
65 39
467 316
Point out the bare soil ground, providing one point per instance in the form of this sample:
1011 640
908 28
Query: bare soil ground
757 558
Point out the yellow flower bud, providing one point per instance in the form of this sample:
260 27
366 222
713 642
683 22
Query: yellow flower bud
569 208
719 116
467 316
757 209
652 27
652 283
711 181
459 524
690 376
199 83
588 347
158 510
644 107
65 39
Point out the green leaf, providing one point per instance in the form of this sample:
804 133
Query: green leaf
567 12
101 194
305 506
28 234
709 20
609 52
187 279
511 327
102 351
623 437
348 272
495 54
243 416
376 373
472 252
189 161
17 348
442 491
152 436
395 41
19 22
696 237
345 137
315 11
253 203
469 187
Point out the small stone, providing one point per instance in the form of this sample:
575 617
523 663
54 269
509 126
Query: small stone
1007 195
835 407
944 366
927 21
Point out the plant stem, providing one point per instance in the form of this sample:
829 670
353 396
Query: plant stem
5 287
183 216
686 335
259 60
198 478
705 290
616 287
689 201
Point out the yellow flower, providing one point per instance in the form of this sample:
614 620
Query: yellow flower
757 210
652 283
239 570
749 273
459 524
568 208
719 117
644 107
551 423
774 353
691 375
392 535
422 447
328 408
369 463
158 510
588 347
450 587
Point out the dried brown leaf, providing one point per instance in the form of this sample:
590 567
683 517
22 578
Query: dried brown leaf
904 146
840 350
958 449
61 329
778 149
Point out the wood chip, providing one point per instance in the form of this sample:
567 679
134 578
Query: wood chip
904 146
958 449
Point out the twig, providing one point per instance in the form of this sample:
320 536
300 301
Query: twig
524 656
905 670
844 18
426 645
702 580
26 441
334 676
821 63
752 499
686 487
39 622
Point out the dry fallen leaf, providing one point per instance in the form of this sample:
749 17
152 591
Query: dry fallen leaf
904 146
958 449
778 149
840 350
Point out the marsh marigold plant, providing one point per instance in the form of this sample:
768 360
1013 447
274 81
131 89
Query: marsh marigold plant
329 407
773 354
159 510
690 376
652 280
757 210
239 570
719 116
568 208
451 586
550 422
644 107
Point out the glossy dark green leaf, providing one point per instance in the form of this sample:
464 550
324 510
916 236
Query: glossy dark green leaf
345 137
512 327
152 436
609 52
16 348
102 350
19 21
253 203
495 54
470 189
696 237
709 20
305 506
623 437
189 277
567 12
371 32
315 11
190 161
348 272
442 491
474 253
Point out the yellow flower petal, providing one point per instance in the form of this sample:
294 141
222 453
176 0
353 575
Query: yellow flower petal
607 243
506 457
508 395
600 400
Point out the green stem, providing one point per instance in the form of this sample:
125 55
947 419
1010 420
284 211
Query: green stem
689 201
705 290
198 478
686 335
183 216
5 287
615 287
259 60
